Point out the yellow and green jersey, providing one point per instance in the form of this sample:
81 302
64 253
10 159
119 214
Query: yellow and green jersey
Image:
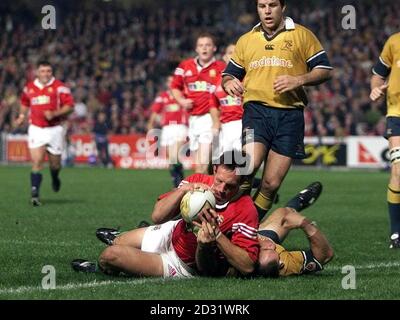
258 60
389 66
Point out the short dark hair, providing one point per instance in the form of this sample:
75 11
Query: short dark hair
44 63
206 34
282 2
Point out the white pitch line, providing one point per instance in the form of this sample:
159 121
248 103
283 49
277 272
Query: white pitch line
94 284
74 286
366 266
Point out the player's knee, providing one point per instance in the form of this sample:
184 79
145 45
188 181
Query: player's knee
270 184
110 255
268 263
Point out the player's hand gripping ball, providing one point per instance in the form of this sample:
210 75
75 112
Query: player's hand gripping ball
193 202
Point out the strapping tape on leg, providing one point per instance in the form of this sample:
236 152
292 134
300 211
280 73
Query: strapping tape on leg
394 154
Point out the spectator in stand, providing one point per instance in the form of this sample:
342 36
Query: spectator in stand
101 130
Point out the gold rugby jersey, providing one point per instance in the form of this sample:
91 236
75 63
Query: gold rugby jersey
389 66
259 60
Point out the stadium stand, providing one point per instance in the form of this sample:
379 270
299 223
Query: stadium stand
115 58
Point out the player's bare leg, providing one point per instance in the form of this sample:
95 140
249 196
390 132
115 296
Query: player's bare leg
202 158
131 261
275 222
275 169
37 156
55 167
393 193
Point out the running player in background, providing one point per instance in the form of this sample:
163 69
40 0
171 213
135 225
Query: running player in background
48 101
386 77
173 120
230 111
194 80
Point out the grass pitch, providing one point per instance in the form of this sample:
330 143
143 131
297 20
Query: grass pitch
351 211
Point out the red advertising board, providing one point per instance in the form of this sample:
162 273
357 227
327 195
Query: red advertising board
17 148
127 151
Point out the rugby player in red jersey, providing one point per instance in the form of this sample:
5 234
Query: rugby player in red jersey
173 120
194 80
170 248
48 101
230 111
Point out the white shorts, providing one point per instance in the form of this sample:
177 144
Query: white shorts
200 130
158 239
172 134
51 137
231 136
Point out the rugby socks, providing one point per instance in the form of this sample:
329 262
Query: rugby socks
176 171
36 180
263 203
54 173
393 198
246 186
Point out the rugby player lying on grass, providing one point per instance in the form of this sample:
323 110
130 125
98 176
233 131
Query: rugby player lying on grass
274 260
169 248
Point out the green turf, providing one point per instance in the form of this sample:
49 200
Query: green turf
351 211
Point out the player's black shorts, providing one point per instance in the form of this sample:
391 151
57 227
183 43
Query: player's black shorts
392 127
281 130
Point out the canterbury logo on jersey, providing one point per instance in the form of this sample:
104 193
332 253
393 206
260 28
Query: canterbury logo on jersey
270 62
201 86
40 100
230 101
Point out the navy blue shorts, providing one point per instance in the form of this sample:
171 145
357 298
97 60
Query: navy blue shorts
281 130
392 127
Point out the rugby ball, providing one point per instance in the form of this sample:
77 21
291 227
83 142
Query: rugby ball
194 201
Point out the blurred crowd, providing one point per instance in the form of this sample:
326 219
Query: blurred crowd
116 59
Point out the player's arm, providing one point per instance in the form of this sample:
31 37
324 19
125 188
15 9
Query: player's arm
319 244
21 116
152 120
181 99
315 77
214 112
177 86
378 87
232 79
63 111
208 236
235 71
167 207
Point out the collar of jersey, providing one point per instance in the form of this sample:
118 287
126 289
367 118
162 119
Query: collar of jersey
221 206
289 25
37 83
196 61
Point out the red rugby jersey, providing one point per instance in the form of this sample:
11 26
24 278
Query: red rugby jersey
39 98
238 220
171 112
197 82
231 108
